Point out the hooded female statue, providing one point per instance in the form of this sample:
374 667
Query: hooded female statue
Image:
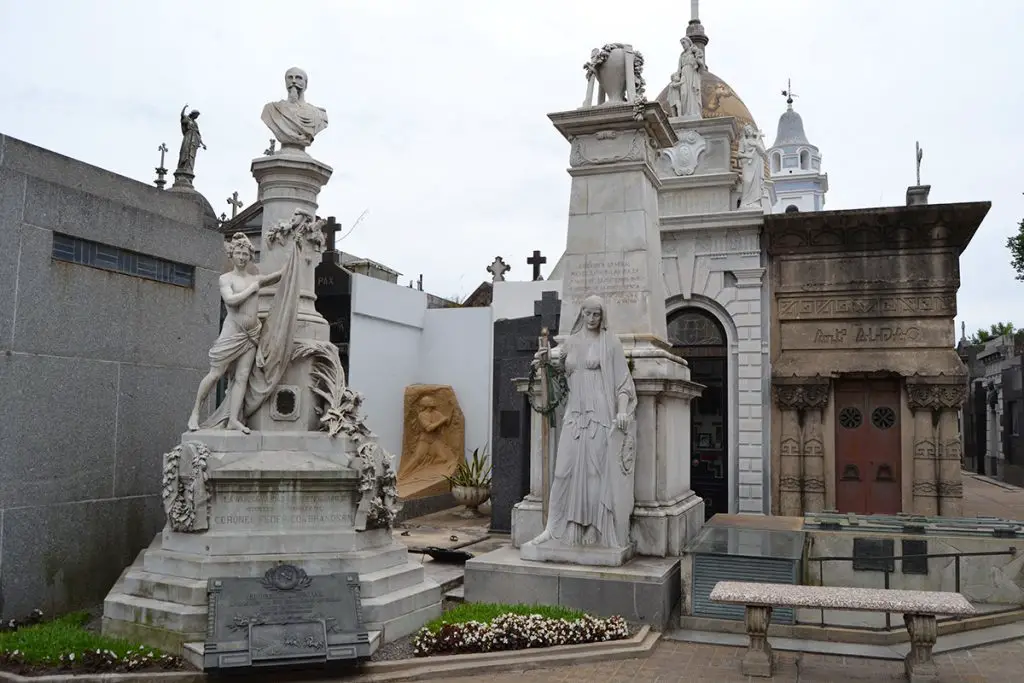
591 495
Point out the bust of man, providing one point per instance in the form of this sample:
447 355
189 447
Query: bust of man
294 122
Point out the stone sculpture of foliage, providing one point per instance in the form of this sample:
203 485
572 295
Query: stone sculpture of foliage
185 498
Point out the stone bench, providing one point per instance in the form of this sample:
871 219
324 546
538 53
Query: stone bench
919 609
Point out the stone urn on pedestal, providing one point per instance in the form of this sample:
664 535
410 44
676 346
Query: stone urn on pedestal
471 482
616 68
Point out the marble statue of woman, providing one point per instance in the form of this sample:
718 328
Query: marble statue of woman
591 496
691 67
191 141
752 155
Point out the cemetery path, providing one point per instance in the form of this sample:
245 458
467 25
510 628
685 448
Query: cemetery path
676 662
988 498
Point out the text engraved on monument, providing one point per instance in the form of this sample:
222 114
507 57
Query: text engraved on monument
804 308
287 616
615 279
254 510
875 334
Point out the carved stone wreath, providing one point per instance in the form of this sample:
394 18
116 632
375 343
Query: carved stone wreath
183 489
304 228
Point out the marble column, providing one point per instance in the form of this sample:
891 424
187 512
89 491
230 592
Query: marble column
800 447
937 485
290 180
613 250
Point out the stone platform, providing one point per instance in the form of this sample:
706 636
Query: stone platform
644 590
269 506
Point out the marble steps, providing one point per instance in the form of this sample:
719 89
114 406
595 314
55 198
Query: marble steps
161 614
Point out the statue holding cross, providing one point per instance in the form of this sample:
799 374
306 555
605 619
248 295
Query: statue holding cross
537 261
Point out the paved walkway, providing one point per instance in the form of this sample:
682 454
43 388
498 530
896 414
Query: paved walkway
673 662
991 499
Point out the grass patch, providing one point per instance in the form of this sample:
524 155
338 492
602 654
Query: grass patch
45 643
486 612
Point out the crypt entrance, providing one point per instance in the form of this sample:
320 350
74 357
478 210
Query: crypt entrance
698 337
868 446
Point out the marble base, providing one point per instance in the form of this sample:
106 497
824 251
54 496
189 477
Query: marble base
266 507
592 556
643 590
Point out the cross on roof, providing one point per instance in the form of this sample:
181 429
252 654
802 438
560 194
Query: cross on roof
235 203
161 172
498 269
548 308
536 261
331 228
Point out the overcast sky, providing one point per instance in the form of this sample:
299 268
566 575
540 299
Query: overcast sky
438 108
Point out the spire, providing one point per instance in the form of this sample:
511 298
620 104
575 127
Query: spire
791 126
695 31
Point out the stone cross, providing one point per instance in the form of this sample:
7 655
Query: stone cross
269 151
548 308
498 269
235 203
161 171
919 154
536 260
223 217
331 228
419 285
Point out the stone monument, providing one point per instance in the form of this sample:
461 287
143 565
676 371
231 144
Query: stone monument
620 471
285 470
433 440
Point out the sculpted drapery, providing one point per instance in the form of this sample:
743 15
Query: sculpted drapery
592 490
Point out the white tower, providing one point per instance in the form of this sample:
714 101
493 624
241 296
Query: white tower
796 165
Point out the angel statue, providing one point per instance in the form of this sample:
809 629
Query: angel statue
191 141
752 155
591 496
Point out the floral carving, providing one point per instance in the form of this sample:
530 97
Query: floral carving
304 228
804 396
942 489
185 498
922 396
600 55
378 488
578 155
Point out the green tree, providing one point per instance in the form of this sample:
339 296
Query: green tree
993 331
1015 243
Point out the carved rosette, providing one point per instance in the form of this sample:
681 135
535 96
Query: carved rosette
935 397
810 395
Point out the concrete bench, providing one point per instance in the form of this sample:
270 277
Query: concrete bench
919 609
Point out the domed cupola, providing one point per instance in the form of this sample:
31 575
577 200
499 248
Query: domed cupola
795 164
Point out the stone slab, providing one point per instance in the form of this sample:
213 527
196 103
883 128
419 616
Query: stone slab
842 598
590 556
284 617
645 590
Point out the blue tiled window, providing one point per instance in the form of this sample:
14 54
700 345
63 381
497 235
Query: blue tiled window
103 256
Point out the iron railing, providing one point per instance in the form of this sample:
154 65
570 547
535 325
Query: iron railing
890 561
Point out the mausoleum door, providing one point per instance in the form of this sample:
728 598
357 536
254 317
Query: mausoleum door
868 446
697 336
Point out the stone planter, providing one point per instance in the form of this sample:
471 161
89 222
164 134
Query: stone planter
471 496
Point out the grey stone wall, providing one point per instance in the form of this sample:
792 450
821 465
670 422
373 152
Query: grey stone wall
97 372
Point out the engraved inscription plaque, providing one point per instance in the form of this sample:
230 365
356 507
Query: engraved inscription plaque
285 617
615 277
914 565
873 555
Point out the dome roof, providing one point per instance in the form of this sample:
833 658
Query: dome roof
718 100
791 129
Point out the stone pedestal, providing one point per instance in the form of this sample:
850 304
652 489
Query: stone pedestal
272 498
289 181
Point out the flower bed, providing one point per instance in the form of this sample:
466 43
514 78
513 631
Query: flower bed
33 647
476 627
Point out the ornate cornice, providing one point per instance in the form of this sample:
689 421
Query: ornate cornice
801 394
924 396
932 226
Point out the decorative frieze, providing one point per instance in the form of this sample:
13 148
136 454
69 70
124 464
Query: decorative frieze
807 395
922 396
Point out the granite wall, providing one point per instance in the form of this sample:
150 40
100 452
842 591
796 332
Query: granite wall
109 306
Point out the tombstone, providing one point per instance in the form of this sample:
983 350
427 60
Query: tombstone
334 302
284 617
515 343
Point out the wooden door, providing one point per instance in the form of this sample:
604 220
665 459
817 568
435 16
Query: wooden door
868 447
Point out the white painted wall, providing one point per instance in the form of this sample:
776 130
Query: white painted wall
512 299
456 349
396 341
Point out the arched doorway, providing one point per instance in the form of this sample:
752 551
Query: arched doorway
698 337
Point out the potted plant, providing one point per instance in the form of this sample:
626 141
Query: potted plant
471 482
